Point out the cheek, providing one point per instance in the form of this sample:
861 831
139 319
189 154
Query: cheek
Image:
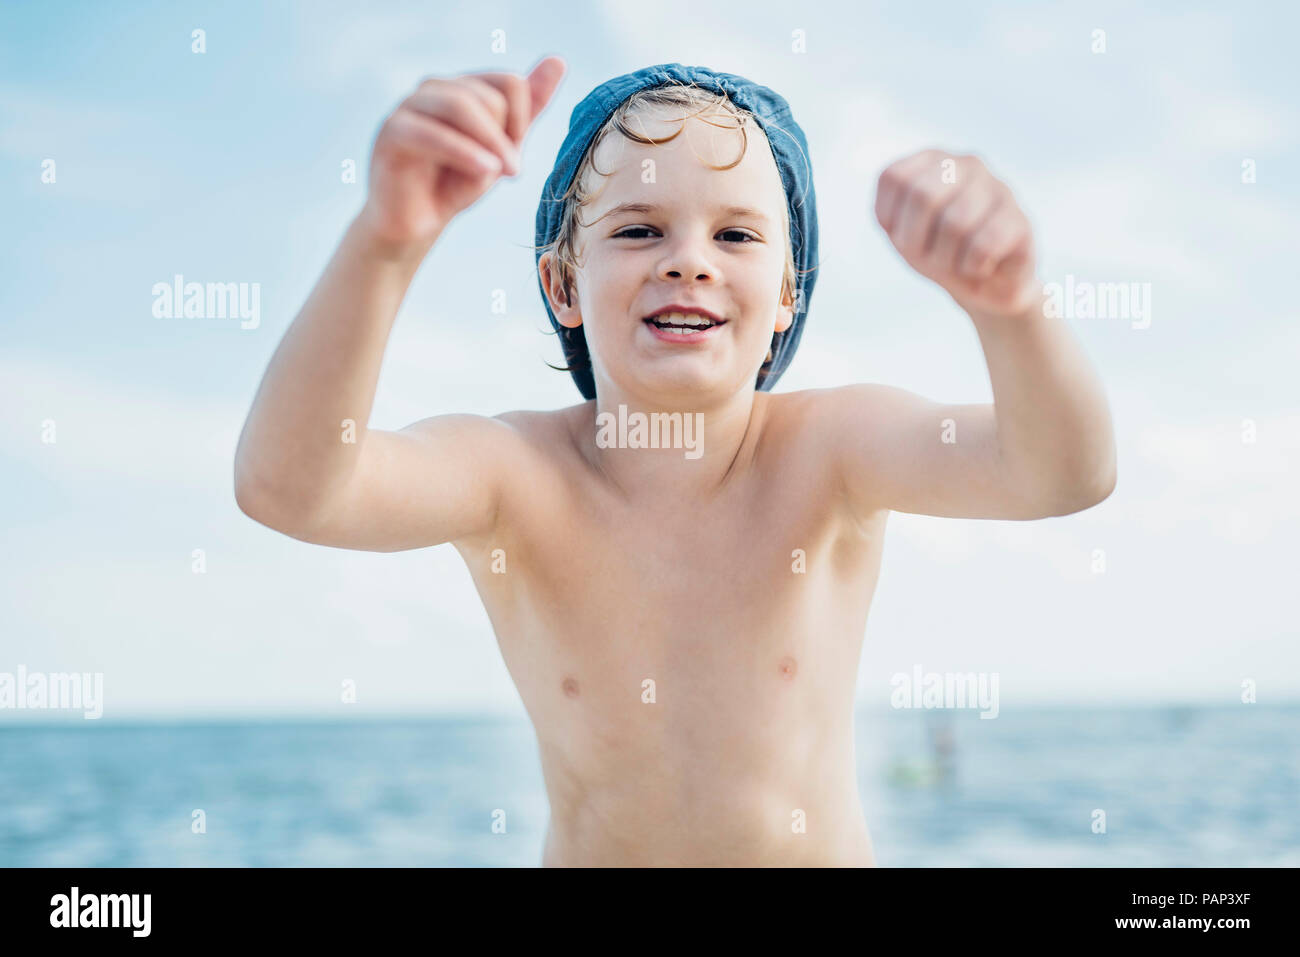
762 280
619 281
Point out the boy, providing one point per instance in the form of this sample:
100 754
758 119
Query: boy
684 629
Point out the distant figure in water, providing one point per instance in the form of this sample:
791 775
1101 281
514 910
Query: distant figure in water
940 765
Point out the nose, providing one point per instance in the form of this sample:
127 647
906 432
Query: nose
687 257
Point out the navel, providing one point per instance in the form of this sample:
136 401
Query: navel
570 687
787 668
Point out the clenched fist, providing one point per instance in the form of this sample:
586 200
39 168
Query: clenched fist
446 144
955 223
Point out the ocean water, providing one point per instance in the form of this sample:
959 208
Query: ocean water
1179 787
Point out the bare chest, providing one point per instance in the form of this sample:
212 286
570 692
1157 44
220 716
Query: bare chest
593 598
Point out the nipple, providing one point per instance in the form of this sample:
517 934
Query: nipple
787 668
570 687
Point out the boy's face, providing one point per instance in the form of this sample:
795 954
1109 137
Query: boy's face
712 239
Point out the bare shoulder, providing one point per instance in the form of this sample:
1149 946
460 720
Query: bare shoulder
856 436
518 432
809 437
523 449
865 417
809 406
548 433
819 418
893 449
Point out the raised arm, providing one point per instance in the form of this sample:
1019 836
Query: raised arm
307 463
1045 446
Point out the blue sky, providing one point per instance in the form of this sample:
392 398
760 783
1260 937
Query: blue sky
225 167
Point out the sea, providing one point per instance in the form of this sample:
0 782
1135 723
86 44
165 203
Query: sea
1093 787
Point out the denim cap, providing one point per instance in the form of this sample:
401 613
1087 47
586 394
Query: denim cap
789 149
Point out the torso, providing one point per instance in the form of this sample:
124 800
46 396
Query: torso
690 677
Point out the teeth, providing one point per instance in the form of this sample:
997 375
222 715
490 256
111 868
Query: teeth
684 319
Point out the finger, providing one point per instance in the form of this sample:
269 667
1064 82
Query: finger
459 106
495 101
993 241
1006 285
434 140
919 210
542 81
512 89
893 184
499 108
922 213
957 221
1014 266
961 264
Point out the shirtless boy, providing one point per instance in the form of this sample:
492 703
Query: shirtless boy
684 631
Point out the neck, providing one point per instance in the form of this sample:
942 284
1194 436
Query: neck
670 450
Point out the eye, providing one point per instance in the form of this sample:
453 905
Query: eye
630 230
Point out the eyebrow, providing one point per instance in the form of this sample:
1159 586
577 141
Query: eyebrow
652 208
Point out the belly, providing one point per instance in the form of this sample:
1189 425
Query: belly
693 700
715 795
703 749
735 840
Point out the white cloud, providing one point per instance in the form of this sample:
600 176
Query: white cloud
1020 37
392 49
81 136
1204 119
118 428
35 119
1202 476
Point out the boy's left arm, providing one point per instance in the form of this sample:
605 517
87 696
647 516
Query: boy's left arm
1046 445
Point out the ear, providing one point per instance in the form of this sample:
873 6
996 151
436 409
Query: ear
563 304
784 314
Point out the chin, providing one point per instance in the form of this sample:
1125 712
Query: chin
687 382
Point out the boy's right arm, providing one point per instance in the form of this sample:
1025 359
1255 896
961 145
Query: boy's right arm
308 466
300 467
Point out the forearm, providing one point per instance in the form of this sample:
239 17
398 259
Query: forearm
1054 426
292 450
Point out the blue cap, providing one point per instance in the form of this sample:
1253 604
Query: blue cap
789 149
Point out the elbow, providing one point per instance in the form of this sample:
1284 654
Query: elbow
288 511
250 498
269 511
257 500
1107 485
250 494
1084 495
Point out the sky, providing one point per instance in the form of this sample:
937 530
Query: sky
225 166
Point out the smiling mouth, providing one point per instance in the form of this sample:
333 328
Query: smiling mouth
683 324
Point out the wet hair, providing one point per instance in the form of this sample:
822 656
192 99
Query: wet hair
718 110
